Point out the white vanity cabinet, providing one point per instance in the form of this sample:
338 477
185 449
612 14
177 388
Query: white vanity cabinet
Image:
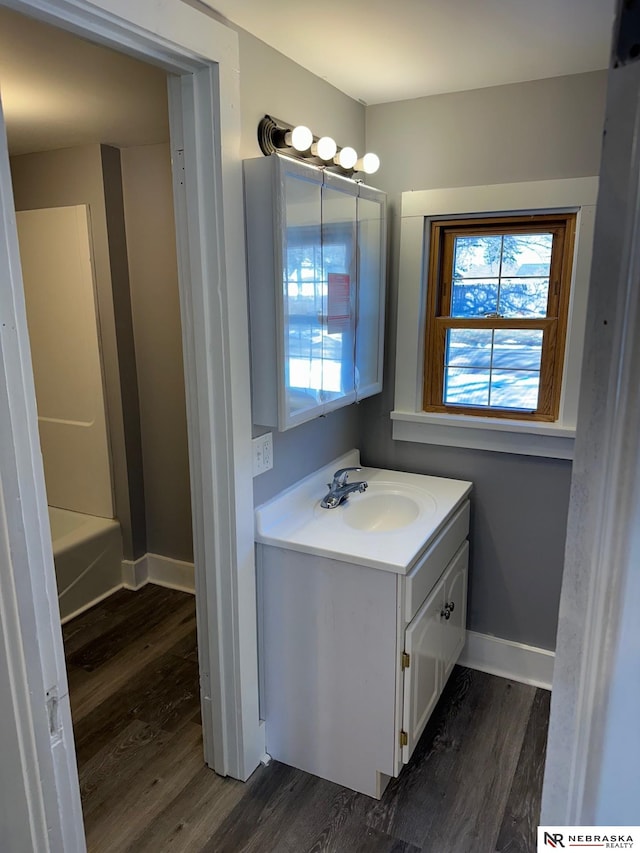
432 644
316 268
353 659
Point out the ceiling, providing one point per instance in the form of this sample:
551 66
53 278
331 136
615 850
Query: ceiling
390 50
60 91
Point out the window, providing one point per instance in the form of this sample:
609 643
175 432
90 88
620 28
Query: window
516 430
497 304
319 352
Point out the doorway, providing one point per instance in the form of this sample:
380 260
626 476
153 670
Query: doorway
203 55
97 243
101 296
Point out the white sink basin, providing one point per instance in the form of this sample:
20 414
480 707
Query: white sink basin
380 512
386 527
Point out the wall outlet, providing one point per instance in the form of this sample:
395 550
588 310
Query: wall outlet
262 453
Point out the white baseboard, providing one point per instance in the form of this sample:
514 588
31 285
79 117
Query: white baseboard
527 664
174 574
163 571
135 574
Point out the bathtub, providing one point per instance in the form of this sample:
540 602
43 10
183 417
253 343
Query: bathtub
87 553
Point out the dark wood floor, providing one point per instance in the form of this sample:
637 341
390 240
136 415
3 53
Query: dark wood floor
473 784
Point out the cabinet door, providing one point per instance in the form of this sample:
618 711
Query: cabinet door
423 677
371 291
302 333
339 200
434 639
315 335
455 603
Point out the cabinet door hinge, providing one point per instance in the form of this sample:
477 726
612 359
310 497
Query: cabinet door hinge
405 660
404 739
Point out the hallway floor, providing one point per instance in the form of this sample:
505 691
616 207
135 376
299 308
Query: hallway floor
472 786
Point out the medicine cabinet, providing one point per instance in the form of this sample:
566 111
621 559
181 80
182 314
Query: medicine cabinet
316 264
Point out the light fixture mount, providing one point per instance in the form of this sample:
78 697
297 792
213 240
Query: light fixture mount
269 133
276 136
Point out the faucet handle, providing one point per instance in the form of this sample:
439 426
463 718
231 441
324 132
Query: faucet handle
342 474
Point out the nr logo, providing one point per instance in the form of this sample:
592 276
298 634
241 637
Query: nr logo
553 839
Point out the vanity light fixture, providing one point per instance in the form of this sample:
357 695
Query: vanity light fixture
298 141
346 158
276 136
299 138
325 148
368 164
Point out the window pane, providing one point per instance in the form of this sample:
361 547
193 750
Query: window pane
517 348
466 386
474 298
497 368
526 254
506 274
302 295
523 297
338 293
477 257
469 347
514 389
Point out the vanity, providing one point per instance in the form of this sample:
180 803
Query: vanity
361 619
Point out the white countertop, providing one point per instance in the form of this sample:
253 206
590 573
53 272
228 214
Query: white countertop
295 520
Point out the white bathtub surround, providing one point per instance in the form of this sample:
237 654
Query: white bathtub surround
56 252
516 661
163 571
87 553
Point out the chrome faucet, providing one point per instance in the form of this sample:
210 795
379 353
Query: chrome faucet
340 489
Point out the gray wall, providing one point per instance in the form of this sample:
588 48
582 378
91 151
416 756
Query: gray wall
153 273
271 84
530 131
522 132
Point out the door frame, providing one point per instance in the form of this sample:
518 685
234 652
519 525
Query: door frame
205 145
593 747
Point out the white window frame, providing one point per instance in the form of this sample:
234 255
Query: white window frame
419 208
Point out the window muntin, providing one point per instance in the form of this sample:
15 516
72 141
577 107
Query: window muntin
498 295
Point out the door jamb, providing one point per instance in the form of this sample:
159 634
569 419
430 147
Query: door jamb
205 131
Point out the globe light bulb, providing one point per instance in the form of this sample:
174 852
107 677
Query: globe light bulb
299 138
346 157
325 148
369 164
